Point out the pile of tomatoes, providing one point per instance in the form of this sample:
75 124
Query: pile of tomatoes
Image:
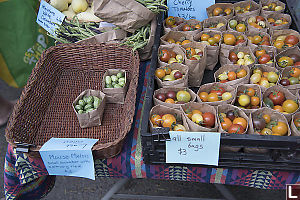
218 11
263 57
264 125
167 121
240 58
231 122
248 99
180 97
237 26
167 74
264 78
169 56
231 75
193 54
216 94
287 61
233 40
171 22
292 78
277 101
278 22
260 40
206 119
258 22
210 40
183 41
284 41
272 7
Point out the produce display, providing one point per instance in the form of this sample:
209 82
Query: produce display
240 58
172 97
231 75
231 122
284 41
115 81
216 94
87 104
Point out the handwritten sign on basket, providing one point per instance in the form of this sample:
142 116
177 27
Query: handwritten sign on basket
48 17
69 157
189 9
193 148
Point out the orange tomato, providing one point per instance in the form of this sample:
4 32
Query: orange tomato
295 72
255 101
168 120
167 70
278 108
169 100
250 92
156 120
267 118
231 76
203 96
212 97
226 123
160 73
265 74
241 121
241 73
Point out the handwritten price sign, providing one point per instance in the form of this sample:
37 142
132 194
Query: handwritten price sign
193 148
189 9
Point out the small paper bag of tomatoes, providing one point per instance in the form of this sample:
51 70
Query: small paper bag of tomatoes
218 23
278 21
264 76
295 124
241 56
265 55
220 9
228 41
173 97
284 39
281 100
173 75
266 121
89 108
290 79
200 117
212 39
232 120
233 75
238 24
170 53
165 117
246 8
115 84
195 59
288 57
216 94
257 23
172 23
257 38
271 6
176 37
191 27
248 97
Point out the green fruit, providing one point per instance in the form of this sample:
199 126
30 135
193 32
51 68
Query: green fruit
114 78
168 78
232 23
293 80
269 103
78 107
80 111
117 86
120 75
88 106
108 80
90 100
121 79
183 95
272 77
81 102
108 86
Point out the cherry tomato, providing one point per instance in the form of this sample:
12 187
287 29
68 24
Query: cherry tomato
168 120
164 55
278 44
203 96
278 108
297 122
264 59
236 129
229 39
259 53
240 28
208 119
160 73
255 101
291 39
277 97
186 27
267 118
170 21
250 92
280 129
241 73
295 72
241 121
257 39
156 120
218 90
231 76
233 57
290 106
212 97
225 123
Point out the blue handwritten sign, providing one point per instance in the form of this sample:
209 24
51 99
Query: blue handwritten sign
69 157
48 17
193 148
189 9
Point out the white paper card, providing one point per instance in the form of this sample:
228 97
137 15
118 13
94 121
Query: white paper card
189 9
193 148
48 16
69 157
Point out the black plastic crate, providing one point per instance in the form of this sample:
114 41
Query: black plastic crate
284 151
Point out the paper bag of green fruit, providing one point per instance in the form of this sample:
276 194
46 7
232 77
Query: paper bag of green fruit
115 84
89 107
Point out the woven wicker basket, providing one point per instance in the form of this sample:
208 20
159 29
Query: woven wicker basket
62 73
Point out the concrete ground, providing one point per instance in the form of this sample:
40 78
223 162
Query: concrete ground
78 188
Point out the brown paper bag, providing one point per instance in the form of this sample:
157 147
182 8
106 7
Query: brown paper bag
246 50
286 73
214 21
274 115
276 17
178 22
126 14
287 94
269 50
241 89
253 33
190 22
176 35
212 52
264 68
252 28
183 82
265 13
254 10
294 130
94 117
115 95
236 68
211 8
203 108
171 47
277 33
146 52
165 90
224 49
225 109
239 20
161 110
209 86
196 67
109 36
287 52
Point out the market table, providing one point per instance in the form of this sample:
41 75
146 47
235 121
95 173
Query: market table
27 178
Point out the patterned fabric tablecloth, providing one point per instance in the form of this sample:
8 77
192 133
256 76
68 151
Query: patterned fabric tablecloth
27 178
